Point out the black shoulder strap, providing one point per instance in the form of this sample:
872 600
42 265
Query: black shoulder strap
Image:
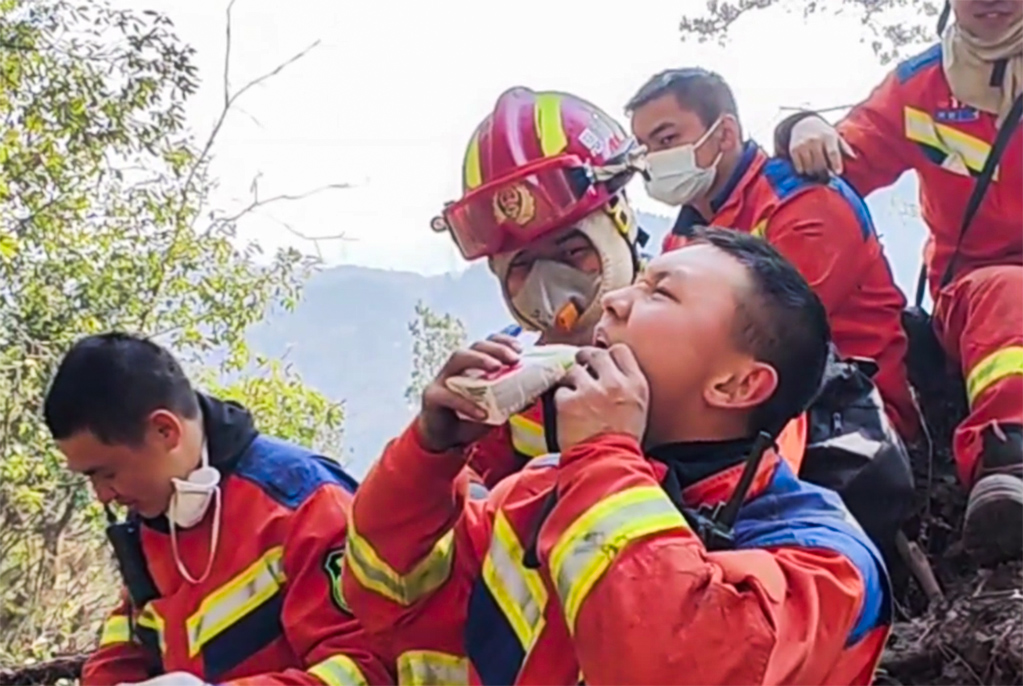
126 540
1005 132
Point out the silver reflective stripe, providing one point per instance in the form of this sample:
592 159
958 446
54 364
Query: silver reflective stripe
590 545
238 597
339 670
375 575
518 591
431 668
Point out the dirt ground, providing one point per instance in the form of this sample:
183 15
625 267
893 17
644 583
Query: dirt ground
975 634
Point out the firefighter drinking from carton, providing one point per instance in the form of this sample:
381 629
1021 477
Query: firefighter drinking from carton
543 202
231 553
951 114
593 566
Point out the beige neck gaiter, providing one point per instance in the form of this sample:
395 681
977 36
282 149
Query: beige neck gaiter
968 60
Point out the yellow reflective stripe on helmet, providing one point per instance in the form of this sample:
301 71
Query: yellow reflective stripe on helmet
375 575
527 436
591 544
547 116
116 629
431 668
472 175
993 368
339 670
518 591
235 599
150 619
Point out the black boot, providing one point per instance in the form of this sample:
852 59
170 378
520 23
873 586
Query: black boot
993 531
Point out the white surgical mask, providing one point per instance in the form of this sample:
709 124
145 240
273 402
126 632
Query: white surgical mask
188 505
550 289
675 178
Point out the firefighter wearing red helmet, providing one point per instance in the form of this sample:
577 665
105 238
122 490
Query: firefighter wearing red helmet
543 201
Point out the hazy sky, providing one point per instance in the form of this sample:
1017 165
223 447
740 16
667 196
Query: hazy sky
388 100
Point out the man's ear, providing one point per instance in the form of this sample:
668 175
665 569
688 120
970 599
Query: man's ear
731 133
743 389
165 428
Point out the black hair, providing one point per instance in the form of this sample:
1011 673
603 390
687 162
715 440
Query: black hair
701 91
110 383
780 321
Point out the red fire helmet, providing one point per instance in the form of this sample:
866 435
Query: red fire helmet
538 163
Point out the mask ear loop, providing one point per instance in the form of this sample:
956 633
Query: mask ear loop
214 535
214 540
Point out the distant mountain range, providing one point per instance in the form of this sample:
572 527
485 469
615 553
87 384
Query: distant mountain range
349 335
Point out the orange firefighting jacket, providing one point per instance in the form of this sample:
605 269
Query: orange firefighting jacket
912 121
825 230
582 570
271 610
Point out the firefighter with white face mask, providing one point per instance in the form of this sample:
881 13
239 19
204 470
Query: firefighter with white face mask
543 201
231 551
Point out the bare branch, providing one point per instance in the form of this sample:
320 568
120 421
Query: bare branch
283 197
204 156
227 56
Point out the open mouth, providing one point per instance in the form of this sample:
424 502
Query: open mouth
600 340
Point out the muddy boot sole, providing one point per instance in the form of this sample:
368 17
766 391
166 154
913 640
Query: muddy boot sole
993 530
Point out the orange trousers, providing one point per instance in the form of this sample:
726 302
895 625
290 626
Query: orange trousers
979 319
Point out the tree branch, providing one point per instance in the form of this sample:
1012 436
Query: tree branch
202 160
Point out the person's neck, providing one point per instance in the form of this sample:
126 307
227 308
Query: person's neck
194 439
700 427
726 167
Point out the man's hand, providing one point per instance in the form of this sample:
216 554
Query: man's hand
605 393
440 428
815 148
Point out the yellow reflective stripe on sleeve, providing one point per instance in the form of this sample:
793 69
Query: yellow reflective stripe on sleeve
472 176
590 545
431 668
527 436
149 618
971 152
518 591
549 129
992 369
339 670
115 630
375 575
235 599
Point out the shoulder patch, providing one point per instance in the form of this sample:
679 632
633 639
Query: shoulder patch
333 566
783 179
914 65
288 473
786 183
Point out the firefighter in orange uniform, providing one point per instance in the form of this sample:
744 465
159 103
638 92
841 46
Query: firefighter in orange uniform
231 554
698 160
938 114
586 567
